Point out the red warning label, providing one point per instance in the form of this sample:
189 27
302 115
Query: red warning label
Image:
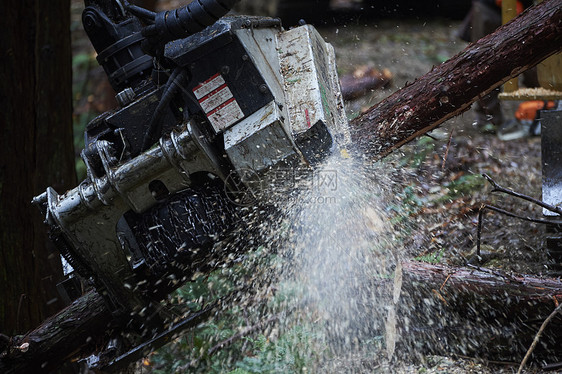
218 103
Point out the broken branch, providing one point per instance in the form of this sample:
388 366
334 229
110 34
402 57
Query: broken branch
509 214
498 188
537 337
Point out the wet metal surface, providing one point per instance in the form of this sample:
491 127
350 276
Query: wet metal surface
551 131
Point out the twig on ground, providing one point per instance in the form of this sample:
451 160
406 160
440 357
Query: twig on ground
445 282
537 337
498 188
507 213
554 366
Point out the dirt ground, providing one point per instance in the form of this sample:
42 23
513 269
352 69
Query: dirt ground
446 218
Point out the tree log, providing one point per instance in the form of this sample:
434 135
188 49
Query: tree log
477 312
363 80
75 331
450 88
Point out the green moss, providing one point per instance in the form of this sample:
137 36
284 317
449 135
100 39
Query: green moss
465 185
432 258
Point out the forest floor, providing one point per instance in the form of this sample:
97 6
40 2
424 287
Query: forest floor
442 182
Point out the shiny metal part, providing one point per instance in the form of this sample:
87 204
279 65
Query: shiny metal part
125 97
551 146
299 68
259 142
88 215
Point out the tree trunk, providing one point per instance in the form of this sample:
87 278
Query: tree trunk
36 150
450 88
84 328
477 312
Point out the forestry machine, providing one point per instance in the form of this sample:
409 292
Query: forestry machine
209 107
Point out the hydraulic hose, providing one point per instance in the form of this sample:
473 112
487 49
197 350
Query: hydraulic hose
183 22
155 127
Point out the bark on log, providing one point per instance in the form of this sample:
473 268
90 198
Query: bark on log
478 313
79 328
450 88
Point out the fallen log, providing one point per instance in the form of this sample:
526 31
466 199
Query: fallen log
477 312
363 80
450 88
80 328
440 309
444 92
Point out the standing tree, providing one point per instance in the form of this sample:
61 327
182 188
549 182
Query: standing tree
36 151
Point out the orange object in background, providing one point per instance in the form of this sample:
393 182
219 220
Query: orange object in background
519 7
528 109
